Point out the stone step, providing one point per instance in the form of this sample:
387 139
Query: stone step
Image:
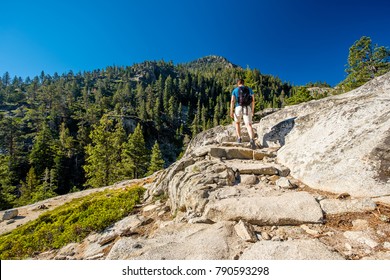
336 206
293 208
246 144
240 153
258 168
243 144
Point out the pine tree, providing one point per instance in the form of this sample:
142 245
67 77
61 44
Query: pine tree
249 79
149 103
7 196
168 92
172 110
301 94
28 188
44 190
204 118
62 174
103 155
179 114
157 110
159 85
216 113
135 155
6 79
42 153
195 125
11 145
156 161
140 101
366 61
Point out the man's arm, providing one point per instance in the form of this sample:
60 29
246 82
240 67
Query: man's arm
253 104
232 105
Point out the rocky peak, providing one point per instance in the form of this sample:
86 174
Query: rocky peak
210 62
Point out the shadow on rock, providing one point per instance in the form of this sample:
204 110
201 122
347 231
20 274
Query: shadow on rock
279 132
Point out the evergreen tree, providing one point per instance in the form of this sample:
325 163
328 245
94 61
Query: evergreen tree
204 118
159 85
150 100
12 147
140 101
157 110
301 94
7 195
168 92
42 153
366 61
103 155
135 155
250 79
179 114
46 189
6 79
216 115
172 110
156 160
28 188
63 172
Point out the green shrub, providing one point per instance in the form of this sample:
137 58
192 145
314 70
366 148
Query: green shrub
71 222
301 95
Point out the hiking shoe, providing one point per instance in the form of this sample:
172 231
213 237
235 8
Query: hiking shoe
252 143
239 140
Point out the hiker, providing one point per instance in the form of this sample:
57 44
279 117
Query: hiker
243 102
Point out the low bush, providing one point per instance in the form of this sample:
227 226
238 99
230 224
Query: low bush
71 222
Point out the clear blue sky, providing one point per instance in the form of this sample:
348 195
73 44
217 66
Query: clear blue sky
298 41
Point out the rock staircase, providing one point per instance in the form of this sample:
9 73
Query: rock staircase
246 196
224 200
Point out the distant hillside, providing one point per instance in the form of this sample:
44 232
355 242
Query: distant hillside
150 71
211 62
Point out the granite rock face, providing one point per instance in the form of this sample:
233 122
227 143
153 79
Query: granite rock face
337 144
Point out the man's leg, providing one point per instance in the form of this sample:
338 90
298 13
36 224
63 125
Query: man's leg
238 129
237 122
248 124
250 130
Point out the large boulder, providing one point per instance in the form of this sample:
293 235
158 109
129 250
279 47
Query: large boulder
287 209
9 214
189 182
180 242
337 144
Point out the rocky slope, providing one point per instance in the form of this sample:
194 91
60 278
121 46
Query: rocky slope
338 144
223 200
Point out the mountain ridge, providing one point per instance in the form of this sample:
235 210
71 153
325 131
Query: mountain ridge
210 61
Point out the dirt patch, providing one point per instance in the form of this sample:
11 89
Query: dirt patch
380 216
376 228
